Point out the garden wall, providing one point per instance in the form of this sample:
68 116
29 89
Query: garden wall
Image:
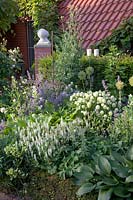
21 35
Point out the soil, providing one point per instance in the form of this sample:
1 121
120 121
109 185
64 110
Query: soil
5 196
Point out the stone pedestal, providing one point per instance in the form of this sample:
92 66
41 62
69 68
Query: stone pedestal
42 48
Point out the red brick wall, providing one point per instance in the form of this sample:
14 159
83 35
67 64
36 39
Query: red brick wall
17 37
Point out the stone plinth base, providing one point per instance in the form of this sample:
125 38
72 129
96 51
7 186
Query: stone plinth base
40 52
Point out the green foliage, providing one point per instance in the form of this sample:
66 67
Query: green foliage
108 68
46 67
86 77
8 13
58 147
64 66
122 128
15 166
122 37
9 63
53 148
43 12
22 96
67 65
5 69
118 65
111 175
98 64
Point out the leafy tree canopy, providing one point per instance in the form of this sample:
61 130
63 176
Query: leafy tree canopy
8 13
43 12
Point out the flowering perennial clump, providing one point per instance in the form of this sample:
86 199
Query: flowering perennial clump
97 107
45 143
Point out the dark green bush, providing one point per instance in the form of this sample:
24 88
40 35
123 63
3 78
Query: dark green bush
122 37
15 166
46 67
108 68
8 12
99 65
119 66
5 70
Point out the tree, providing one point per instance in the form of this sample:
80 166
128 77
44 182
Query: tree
8 13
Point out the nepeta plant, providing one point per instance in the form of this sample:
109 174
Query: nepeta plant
54 93
2 125
32 96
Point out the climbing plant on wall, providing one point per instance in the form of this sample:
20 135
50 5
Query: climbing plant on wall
122 37
8 13
43 12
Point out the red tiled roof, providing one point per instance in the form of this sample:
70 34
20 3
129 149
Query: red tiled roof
96 18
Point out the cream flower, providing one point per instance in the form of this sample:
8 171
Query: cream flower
131 80
2 110
119 84
101 112
88 105
97 107
110 113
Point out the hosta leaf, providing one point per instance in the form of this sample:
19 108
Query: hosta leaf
109 181
99 185
98 171
130 153
129 163
114 164
86 173
85 188
130 189
105 194
121 171
87 168
121 192
104 165
118 157
129 179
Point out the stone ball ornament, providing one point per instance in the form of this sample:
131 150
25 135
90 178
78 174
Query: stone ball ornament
43 35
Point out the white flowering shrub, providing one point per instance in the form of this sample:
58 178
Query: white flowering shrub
96 108
51 147
23 97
